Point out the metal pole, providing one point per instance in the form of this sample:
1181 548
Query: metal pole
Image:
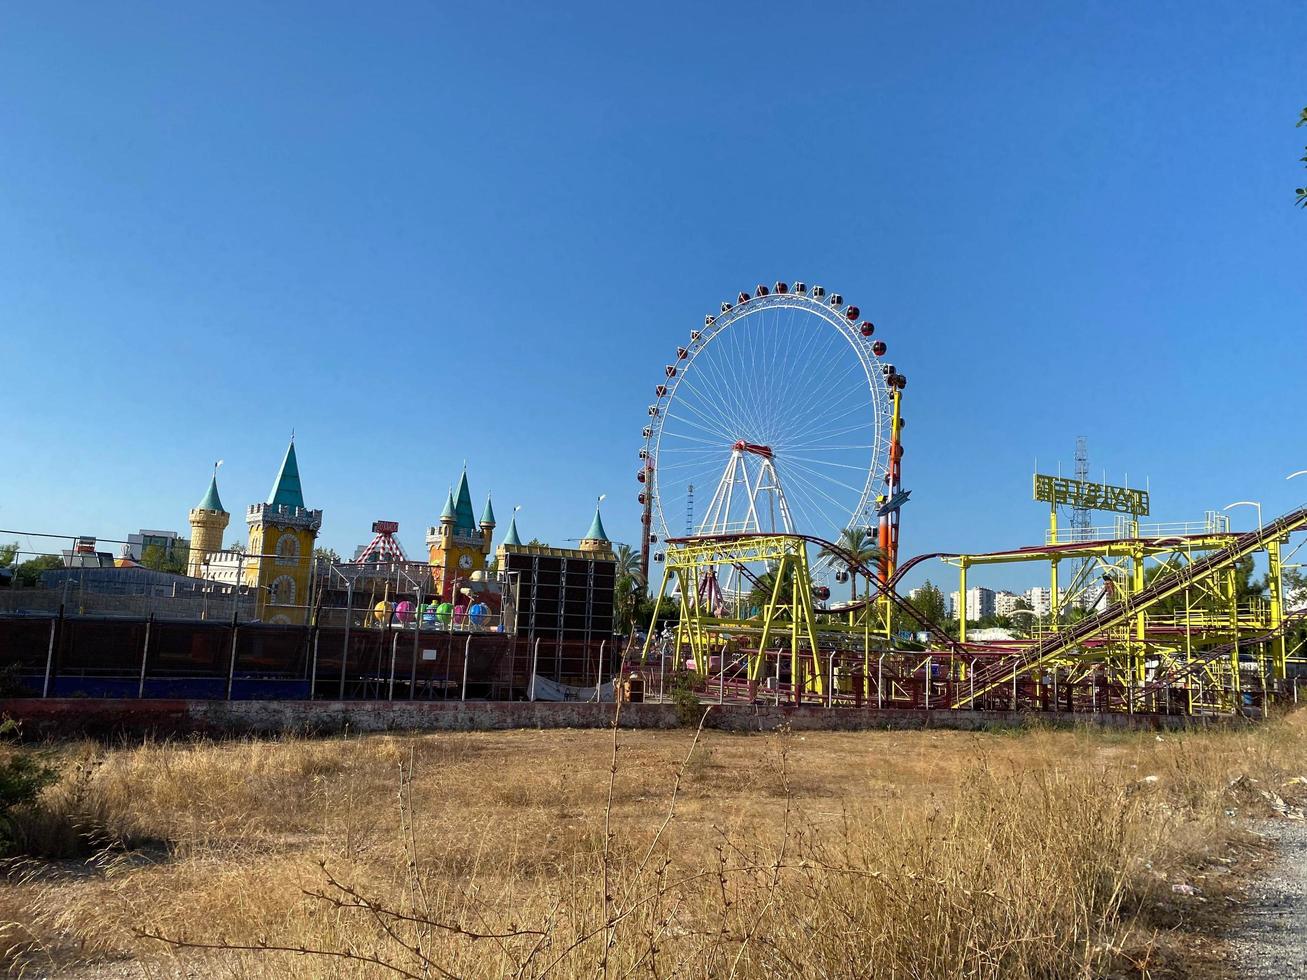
394 645
467 652
880 680
535 659
830 680
417 633
145 653
599 678
721 676
231 663
349 617
313 673
928 659
971 675
49 653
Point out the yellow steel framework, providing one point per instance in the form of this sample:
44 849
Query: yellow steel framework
786 618
1174 632
1184 627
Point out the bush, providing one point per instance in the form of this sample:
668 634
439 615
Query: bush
684 693
23 775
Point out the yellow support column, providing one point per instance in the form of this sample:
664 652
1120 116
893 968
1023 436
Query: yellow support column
1275 586
962 600
1055 599
1235 685
1137 586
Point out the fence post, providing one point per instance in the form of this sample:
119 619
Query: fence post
349 618
145 654
467 652
928 683
417 643
313 673
49 653
599 679
830 680
231 661
394 646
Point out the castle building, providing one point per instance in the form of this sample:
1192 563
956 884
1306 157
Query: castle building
596 540
277 565
208 522
280 559
459 546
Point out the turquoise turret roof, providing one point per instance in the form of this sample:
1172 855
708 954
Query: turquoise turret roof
512 537
488 515
211 499
286 492
596 532
463 520
448 513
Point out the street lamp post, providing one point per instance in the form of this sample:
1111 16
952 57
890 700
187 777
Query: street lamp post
1248 503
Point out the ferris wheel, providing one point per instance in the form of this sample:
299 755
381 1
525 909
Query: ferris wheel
775 417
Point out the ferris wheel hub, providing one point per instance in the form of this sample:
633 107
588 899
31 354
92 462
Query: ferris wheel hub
751 447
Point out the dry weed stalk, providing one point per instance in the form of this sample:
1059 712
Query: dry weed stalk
1044 854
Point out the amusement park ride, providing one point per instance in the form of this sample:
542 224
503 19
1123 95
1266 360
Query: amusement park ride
784 403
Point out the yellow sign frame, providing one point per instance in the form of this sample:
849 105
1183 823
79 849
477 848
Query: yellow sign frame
1091 496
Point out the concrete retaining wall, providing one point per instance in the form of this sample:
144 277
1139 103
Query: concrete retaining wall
71 717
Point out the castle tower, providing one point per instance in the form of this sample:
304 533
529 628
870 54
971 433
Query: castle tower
208 521
511 538
458 547
487 524
596 540
282 533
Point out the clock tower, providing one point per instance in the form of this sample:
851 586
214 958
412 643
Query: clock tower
459 545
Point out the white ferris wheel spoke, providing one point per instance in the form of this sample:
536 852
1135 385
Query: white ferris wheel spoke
782 385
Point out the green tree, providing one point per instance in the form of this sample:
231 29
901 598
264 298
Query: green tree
930 604
761 592
857 544
163 560
29 572
628 563
629 588
153 557
8 552
327 554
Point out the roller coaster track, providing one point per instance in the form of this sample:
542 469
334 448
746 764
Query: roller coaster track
1123 612
1188 668
879 589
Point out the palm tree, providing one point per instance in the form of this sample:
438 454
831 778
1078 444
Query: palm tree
855 543
629 585
628 563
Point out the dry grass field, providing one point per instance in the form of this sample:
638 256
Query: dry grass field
577 854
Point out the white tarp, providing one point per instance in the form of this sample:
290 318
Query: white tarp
543 689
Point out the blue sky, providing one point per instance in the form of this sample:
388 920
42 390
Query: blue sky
424 234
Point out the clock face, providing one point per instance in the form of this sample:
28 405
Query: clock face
465 562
